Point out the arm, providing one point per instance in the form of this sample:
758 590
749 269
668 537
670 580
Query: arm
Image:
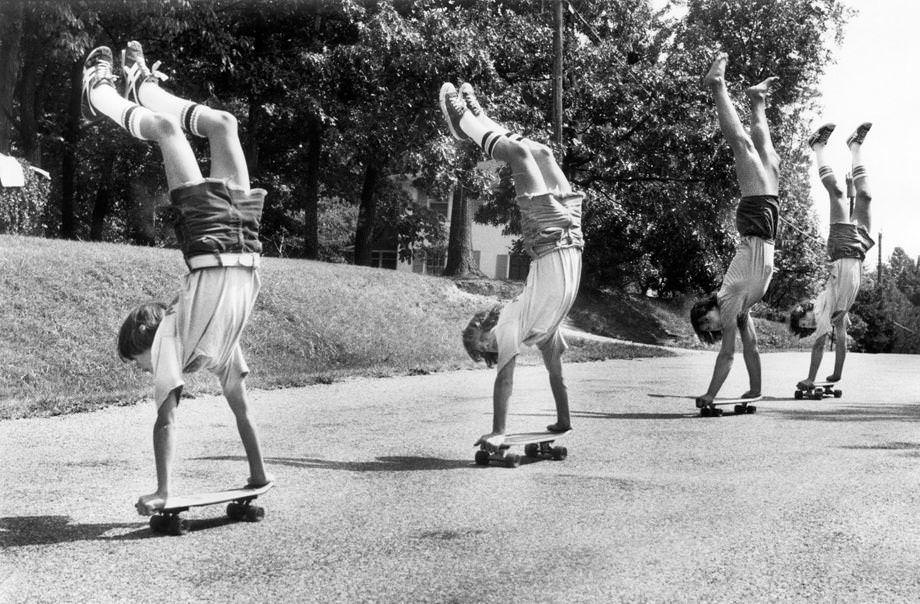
817 354
504 383
164 447
751 356
723 363
840 332
552 359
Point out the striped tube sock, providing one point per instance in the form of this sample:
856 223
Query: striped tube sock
151 95
859 172
128 115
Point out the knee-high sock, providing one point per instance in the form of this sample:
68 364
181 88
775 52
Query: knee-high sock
106 100
151 95
825 172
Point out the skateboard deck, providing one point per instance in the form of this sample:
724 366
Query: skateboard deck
742 405
820 390
168 519
537 445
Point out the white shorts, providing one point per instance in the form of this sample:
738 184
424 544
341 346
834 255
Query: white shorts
839 293
203 327
533 318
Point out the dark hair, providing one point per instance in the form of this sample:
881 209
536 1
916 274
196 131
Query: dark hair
797 313
699 310
140 326
484 320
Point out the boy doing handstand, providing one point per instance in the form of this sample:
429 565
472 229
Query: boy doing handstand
726 313
847 245
217 226
551 229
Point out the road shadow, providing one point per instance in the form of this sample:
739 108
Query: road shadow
606 415
394 463
854 413
889 446
19 531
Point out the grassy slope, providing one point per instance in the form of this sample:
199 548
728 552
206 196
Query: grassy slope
61 303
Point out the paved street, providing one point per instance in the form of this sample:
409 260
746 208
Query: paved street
378 498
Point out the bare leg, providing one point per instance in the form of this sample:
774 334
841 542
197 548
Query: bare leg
752 176
552 174
839 207
760 131
528 178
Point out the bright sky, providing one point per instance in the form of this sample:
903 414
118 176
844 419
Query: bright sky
876 78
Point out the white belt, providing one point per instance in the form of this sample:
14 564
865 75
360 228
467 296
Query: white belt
250 260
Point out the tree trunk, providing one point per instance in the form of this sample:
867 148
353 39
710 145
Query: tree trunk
253 137
367 214
31 105
11 23
311 189
68 162
460 261
103 202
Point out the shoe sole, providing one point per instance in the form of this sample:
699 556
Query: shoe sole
442 101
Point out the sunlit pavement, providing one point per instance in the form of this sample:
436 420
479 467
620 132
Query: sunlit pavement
379 499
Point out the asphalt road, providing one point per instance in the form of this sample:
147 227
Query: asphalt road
379 500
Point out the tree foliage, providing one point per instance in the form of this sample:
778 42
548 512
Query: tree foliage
337 98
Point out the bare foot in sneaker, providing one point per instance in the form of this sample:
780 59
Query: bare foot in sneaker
716 74
762 90
820 136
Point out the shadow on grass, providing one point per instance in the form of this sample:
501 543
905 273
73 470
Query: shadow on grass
855 413
393 463
19 531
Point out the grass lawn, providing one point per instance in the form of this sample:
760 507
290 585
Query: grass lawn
61 303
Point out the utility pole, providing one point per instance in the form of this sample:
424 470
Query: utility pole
880 258
557 71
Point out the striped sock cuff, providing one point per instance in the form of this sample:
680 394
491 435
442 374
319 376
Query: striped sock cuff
188 117
514 137
858 172
131 121
825 171
489 139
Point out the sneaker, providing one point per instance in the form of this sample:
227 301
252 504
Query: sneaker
860 135
97 71
136 72
469 97
821 135
453 108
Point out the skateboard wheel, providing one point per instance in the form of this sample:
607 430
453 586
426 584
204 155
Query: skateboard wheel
254 513
559 453
532 450
751 409
482 458
157 523
513 460
740 409
798 395
817 395
235 511
838 393
177 525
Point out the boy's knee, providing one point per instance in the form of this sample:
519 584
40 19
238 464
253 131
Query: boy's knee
518 150
224 121
164 125
863 196
541 152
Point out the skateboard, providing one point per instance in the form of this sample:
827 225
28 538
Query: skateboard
168 520
742 405
819 391
537 445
